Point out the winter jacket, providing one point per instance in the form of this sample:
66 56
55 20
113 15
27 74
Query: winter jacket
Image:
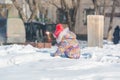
68 45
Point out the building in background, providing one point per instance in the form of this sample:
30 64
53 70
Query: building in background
86 8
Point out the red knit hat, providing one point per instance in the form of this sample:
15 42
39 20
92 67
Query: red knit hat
59 29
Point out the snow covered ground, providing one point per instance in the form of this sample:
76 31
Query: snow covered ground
19 62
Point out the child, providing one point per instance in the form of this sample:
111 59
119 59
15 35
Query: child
67 43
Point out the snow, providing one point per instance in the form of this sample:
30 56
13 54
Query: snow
20 62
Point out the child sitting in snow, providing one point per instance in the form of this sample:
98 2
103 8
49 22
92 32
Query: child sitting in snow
67 43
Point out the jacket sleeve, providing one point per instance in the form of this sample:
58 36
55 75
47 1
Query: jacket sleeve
70 35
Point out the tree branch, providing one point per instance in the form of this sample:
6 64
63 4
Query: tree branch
20 10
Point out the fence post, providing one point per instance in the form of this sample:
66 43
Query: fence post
95 26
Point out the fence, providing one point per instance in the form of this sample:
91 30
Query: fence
37 31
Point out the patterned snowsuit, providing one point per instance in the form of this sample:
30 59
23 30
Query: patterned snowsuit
68 45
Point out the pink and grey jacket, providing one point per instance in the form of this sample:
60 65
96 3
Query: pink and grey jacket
68 45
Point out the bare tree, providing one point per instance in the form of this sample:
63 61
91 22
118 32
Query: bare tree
113 8
20 10
104 8
109 36
33 4
33 8
66 10
95 6
43 10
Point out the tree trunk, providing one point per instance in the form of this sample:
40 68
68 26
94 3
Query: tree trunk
33 7
104 8
95 6
20 10
75 7
109 36
66 10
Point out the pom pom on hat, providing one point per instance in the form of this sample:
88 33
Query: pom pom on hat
58 30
